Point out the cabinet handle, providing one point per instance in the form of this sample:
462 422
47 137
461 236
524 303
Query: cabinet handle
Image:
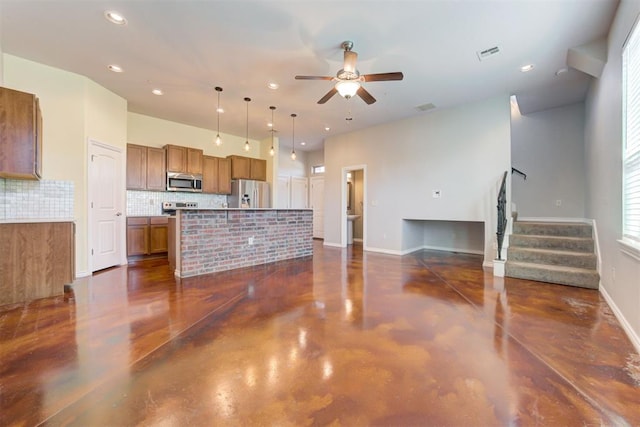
119 214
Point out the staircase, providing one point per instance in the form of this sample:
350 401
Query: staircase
553 252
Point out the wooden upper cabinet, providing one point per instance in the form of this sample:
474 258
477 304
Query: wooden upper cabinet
136 167
156 169
194 161
248 168
224 176
184 159
145 168
20 135
259 169
216 175
209 174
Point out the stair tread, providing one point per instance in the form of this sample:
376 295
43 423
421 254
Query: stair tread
586 224
545 236
552 267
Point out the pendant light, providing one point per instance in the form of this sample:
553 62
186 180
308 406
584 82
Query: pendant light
246 143
272 151
293 136
218 139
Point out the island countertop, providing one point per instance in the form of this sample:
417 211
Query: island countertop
208 240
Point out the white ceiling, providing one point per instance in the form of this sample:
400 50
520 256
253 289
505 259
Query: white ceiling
186 48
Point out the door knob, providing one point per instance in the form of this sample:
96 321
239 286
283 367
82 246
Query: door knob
119 214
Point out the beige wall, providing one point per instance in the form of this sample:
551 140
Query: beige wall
74 109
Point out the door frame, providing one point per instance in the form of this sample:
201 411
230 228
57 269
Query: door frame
365 210
91 144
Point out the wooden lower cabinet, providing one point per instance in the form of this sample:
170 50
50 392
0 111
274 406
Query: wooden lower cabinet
37 260
147 235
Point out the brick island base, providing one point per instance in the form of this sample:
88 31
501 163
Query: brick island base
207 241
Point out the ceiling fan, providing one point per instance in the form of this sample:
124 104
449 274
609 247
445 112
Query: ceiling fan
348 79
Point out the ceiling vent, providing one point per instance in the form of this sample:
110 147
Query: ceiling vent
487 53
425 107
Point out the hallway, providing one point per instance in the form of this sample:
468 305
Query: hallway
344 337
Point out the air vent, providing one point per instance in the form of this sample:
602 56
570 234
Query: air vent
484 54
425 107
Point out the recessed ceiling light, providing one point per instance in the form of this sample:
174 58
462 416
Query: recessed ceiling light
115 68
115 17
220 110
526 68
270 125
157 92
303 143
327 128
561 71
273 85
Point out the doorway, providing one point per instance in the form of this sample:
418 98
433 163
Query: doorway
354 205
106 219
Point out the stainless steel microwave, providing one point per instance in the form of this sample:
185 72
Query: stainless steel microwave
191 183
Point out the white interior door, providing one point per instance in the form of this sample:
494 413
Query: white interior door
317 204
283 192
299 193
105 206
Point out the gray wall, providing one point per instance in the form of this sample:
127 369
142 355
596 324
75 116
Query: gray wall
549 147
461 151
603 152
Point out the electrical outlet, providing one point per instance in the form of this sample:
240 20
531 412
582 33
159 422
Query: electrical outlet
558 202
251 240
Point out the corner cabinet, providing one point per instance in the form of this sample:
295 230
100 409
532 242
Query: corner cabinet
146 168
248 168
216 175
184 159
20 135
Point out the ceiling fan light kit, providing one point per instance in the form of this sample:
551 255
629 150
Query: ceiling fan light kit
348 79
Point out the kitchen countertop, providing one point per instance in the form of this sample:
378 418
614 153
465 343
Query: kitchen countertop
34 220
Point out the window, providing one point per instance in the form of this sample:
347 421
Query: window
631 137
317 169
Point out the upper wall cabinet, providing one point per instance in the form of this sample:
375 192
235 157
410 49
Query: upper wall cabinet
183 159
216 175
20 135
248 168
146 168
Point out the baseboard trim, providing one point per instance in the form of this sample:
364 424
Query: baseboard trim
446 249
633 337
384 251
81 274
333 245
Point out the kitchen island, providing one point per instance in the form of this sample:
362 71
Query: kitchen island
203 241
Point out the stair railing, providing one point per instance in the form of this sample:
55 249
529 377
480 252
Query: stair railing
502 214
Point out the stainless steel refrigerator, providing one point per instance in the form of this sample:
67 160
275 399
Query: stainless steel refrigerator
257 193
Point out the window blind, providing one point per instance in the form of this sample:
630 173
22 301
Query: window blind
631 136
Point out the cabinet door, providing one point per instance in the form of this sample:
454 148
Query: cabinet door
240 167
19 135
224 176
194 160
136 167
137 240
259 169
156 169
158 238
209 174
176 158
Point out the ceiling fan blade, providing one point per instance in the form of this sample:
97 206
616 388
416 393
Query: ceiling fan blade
313 78
381 77
366 96
328 96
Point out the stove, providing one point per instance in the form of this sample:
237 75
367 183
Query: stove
171 207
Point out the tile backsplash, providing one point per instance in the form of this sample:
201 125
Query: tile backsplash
149 203
44 199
